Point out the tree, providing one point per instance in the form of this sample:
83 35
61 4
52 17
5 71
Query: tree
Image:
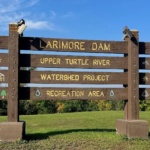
3 94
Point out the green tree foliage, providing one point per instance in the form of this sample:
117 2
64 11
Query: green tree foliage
143 105
79 105
148 105
110 105
48 106
28 107
37 107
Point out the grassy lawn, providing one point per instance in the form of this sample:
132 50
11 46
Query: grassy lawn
76 131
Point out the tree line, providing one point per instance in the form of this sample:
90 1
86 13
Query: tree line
48 106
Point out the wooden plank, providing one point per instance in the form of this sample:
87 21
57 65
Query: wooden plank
37 93
72 45
3 76
144 93
3 93
144 78
4 60
57 77
144 63
3 42
58 61
144 47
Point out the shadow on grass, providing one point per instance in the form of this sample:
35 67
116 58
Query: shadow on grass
41 136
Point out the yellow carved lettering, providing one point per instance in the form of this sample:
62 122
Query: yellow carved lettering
55 44
50 60
49 45
63 93
101 62
41 45
94 46
82 46
64 45
107 63
60 77
107 47
102 78
76 45
78 61
71 45
100 46
43 77
96 94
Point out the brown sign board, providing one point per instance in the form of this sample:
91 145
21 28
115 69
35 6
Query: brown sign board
4 60
72 45
3 42
59 61
57 77
144 47
37 93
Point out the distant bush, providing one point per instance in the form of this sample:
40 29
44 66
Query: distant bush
77 106
48 106
37 107
143 105
28 107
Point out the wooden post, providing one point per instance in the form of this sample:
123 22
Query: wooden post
13 130
13 73
131 126
132 105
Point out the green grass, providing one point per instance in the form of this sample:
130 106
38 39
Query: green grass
76 131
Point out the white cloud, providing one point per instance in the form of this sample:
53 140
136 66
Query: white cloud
67 15
31 3
14 10
15 5
52 14
39 25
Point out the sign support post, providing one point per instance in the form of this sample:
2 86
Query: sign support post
131 125
13 129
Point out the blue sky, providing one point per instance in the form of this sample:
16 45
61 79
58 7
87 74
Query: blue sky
77 19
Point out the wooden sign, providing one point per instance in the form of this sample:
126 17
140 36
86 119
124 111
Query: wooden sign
19 80
56 77
3 42
59 61
72 45
72 93
4 60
